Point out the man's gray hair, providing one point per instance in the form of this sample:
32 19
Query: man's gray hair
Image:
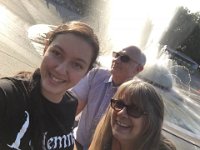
137 54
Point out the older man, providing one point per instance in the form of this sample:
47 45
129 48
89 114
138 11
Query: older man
98 87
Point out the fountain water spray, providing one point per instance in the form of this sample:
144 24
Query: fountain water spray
182 104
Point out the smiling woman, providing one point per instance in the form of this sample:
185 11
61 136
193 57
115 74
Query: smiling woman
36 106
133 120
63 65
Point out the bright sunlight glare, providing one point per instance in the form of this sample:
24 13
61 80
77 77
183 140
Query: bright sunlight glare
3 17
142 23
128 18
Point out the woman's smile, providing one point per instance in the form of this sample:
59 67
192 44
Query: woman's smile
122 124
56 79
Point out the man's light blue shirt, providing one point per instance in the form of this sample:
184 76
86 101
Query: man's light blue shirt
96 89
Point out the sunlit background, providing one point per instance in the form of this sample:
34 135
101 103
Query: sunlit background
130 18
122 23
141 23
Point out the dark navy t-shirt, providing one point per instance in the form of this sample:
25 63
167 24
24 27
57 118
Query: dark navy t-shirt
18 129
58 122
14 116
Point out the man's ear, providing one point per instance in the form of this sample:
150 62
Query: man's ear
139 68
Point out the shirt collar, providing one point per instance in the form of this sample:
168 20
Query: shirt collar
109 81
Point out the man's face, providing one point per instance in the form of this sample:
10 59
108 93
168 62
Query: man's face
124 66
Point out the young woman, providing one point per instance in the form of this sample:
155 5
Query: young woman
37 112
133 120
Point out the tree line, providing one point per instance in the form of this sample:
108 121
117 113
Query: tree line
183 33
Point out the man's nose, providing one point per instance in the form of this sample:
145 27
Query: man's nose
117 59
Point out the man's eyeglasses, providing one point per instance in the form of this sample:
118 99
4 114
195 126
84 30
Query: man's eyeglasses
123 58
131 110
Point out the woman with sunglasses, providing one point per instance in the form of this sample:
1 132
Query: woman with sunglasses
133 121
36 112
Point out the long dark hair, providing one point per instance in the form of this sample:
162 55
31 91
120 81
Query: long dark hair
35 106
32 94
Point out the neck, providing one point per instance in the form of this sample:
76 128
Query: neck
117 145
52 97
119 82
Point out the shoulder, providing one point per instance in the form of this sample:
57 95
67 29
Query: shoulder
6 93
100 70
7 84
99 73
12 87
11 95
11 83
71 97
166 144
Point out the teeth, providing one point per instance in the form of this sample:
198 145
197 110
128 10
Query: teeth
56 79
122 124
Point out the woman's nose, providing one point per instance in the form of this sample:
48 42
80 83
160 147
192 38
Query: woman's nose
123 112
62 68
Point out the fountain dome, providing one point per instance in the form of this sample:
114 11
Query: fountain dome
158 76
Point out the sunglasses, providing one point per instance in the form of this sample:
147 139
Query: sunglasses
132 110
124 58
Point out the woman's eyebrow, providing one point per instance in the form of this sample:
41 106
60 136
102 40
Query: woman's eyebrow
62 50
58 47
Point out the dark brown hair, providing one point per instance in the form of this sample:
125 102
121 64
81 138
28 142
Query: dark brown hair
80 29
